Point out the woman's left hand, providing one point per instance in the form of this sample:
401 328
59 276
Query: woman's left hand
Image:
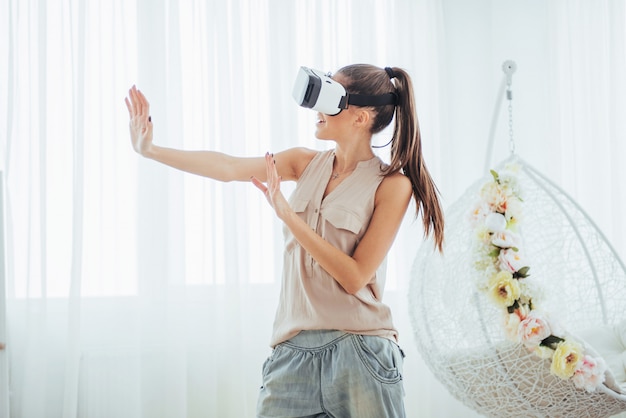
272 191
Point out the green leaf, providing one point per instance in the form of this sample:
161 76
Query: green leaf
495 253
523 272
513 307
495 175
551 341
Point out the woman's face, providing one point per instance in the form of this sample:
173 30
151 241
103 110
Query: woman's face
333 127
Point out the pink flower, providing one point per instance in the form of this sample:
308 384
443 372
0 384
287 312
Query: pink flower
512 322
533 329
510 260
590 373
495 196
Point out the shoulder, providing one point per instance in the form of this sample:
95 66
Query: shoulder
395 188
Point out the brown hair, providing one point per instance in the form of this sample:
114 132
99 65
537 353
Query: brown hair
406 142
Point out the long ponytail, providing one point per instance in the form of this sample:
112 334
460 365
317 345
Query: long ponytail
406 142
406 153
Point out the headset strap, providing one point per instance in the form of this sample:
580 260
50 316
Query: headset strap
365 100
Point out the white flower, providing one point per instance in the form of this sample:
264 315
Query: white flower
531 291
495 222
483 236
505 239
508 179
513 212
513 168
480 211
542 352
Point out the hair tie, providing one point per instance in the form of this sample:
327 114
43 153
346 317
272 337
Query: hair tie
390 72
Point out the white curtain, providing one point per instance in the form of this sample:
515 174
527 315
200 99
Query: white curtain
588 127
135 290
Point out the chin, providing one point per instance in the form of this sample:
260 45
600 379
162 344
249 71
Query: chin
322 137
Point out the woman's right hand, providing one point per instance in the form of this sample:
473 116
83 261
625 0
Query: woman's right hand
140 125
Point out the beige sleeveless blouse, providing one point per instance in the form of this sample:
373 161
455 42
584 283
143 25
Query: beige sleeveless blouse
310 298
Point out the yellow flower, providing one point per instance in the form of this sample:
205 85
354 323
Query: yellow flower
504 289
483 235
565 359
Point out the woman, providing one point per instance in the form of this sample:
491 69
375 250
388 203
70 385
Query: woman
335 349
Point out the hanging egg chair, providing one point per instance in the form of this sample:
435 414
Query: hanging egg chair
541 333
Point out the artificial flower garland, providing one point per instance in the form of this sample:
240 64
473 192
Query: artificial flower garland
500 259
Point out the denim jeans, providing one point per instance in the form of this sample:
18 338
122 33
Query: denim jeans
333 374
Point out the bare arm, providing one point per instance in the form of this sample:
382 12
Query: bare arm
210 164
351 272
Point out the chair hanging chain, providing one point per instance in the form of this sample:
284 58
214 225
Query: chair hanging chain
509 97
508 67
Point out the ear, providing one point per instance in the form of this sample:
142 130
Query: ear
362 118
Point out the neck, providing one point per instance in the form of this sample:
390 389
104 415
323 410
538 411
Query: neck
347 158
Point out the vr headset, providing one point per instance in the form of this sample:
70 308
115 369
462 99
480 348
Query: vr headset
315 90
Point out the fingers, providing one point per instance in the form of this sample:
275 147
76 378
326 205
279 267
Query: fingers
132 94
129 107
273 179
270 166
145 105
258 184
137 104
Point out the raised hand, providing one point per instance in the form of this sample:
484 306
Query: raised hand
140 125
272 191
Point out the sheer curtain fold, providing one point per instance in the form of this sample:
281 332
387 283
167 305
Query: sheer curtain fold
136 290
588 50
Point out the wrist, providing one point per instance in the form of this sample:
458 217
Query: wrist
288 216
150 151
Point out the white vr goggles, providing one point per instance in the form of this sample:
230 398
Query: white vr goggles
315 90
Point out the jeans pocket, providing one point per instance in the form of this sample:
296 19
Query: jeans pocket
267 364
380 356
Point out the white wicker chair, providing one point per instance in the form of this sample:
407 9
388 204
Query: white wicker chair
459 331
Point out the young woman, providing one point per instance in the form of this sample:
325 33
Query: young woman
335 349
